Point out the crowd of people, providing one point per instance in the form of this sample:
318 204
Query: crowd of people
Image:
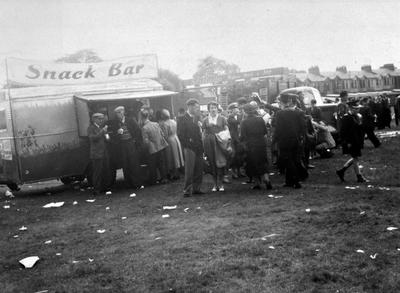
246 140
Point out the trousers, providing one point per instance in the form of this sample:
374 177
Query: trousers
193 171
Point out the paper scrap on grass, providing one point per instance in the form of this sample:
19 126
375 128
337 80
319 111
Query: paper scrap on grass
75 203
169 207
43 291
90 200
271 247
362 213
360 251
23 228
75 261
101 231
158 238
47 242
108 193
398 249
185 210
308 210
29 262
391 228
107 208
58 254
6 206
82 189
54 205
373 256
91 259
165 216
9 194
132 195
198 208
352 187
384 188
123 218
142 187
15 236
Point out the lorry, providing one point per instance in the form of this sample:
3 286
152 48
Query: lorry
43 129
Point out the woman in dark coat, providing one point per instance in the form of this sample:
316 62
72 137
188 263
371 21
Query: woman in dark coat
212 125
352 136
253 131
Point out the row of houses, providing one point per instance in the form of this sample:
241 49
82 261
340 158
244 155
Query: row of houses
270 82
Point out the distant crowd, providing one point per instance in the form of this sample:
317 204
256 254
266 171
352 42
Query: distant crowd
246 140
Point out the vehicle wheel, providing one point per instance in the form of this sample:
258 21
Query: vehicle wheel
13 187
66 180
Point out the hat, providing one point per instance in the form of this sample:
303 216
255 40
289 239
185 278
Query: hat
119 109
232 106
242 101
250 109
97 115
192 102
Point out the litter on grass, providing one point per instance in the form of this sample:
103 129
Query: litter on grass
158 238
132 195
169 207
15 236
23 228
271 247
165 216
91 259
9 194
362 213
75 261
308 210
185 210
6 206
108 193
47 242
90 200
384 188
29 262
43 291
391 228
142 187
54 205
270 235
198 208
101 231
107 208
360 251
123 218
352 187
75 203
58 254
373 256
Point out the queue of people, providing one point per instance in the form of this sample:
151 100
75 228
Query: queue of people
244 141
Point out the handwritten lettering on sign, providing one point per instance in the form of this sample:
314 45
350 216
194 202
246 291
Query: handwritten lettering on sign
36 73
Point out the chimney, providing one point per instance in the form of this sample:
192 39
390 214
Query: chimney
342 69
314 70
366 68
389 66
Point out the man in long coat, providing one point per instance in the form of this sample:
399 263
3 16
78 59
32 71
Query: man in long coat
98 154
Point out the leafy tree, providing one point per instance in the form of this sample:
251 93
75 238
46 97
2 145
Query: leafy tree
170 81
211 67
81 56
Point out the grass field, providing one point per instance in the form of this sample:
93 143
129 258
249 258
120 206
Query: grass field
237 241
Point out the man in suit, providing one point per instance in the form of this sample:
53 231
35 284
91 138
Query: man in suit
190 136
97 134
290 135
126 134
234 120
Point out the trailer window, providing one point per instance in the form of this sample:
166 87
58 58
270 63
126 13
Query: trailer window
3 120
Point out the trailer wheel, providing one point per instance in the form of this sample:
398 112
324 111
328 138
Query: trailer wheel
13 187
70 179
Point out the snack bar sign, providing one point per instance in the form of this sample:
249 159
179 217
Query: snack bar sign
35 73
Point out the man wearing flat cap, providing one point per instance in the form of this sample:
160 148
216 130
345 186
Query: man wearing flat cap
127 137
234 120
190 136
97 134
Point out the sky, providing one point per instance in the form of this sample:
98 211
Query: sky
254 34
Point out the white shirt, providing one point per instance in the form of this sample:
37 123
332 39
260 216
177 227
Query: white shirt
212 120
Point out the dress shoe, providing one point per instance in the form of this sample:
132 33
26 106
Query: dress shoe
340 174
